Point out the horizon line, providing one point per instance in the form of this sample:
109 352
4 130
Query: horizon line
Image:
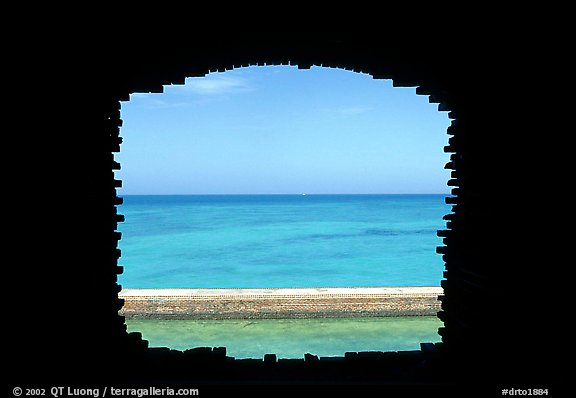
279 194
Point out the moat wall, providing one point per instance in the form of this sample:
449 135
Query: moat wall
279 303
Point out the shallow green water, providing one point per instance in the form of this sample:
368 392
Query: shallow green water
291 338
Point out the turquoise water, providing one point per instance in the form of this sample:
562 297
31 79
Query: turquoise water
291 338
261 241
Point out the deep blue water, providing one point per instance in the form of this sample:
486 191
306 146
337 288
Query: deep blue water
249 241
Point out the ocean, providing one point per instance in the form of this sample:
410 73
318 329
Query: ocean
267 241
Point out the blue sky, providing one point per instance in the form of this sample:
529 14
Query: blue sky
281 130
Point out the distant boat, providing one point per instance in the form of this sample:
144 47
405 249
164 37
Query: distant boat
303 194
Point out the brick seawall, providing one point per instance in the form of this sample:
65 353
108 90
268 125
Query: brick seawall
279 303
